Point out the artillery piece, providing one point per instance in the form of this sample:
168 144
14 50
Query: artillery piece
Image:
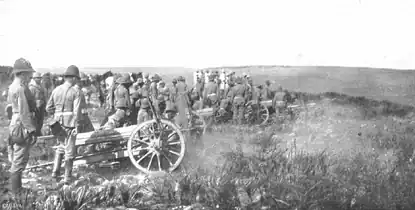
152 146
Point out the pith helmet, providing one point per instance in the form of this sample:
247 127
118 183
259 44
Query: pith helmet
162 83
124 79
174 81
84 77
156 78
181 78
72 71
238 80
37 75
22 65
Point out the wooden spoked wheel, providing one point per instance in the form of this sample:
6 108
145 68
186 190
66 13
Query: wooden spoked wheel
155 147
263 114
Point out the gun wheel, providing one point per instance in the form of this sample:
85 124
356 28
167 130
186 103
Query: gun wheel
155 147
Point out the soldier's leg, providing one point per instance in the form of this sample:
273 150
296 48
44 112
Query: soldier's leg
241 114
140 116
182 115
235 113
19 163
70 154
59 153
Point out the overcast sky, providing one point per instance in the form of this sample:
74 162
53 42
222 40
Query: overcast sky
195 33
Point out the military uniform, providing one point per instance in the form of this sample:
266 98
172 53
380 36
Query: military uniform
211 93
22 127
266 91
85 121
279 102
163 97
143 105
66 104
40 98
238 98
86 88
121 100
181 101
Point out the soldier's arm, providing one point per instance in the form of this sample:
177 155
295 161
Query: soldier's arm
127 95
24 111
50 106
205 93
78 105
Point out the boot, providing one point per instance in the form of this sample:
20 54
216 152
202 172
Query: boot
16 182
57 166
68 171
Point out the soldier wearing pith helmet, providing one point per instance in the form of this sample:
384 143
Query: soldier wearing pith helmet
39 93
22 127
66 104
121 98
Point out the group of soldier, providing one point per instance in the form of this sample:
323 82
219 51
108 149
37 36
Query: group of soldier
129 102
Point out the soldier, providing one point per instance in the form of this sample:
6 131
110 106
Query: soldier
154 87
182 101
206 79
211 93
85 88
198 89
143 105
266 91
66 105
279 102
121 99
39 93
255 100
85 124
146 78
170 104
134 96
238 97
47 85
223 84
22 127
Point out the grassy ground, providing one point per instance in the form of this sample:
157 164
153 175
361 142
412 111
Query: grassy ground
343 153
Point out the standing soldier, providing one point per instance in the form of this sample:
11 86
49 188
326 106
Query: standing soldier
146 78
170 104
39 94
134 96
211 93
66 105
279 102
206 78
182 101
22 127
122 101
143 105
223 83
266 91
199 87
47 85
85 122
238 98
